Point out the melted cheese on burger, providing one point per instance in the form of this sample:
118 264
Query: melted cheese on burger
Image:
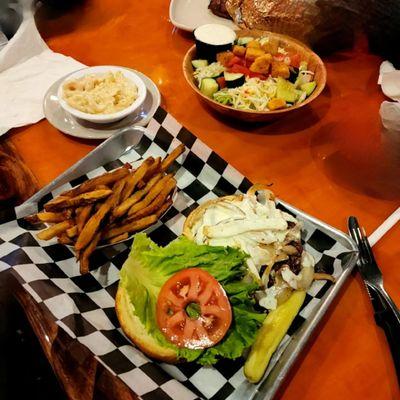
262 231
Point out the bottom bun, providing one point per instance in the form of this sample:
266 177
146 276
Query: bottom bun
136 332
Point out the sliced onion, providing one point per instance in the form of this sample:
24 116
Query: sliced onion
307 276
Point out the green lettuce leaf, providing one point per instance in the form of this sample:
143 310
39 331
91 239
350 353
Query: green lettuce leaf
149 266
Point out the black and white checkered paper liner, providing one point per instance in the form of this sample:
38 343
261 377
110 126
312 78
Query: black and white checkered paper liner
84 305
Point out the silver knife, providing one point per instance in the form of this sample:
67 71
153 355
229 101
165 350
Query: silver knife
386 313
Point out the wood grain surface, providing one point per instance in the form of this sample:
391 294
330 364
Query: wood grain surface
80 374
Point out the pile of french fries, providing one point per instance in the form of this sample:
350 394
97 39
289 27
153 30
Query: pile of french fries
108 208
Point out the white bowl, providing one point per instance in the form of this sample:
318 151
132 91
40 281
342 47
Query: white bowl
103 118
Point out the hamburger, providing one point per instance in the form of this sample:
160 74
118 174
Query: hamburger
239 266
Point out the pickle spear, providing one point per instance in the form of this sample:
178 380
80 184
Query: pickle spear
274 328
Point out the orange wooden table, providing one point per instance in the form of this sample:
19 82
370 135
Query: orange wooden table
331 160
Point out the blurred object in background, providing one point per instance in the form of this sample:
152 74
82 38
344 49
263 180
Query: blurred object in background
335 26
10 18
3 40
325 25
382 26
17 183
60 5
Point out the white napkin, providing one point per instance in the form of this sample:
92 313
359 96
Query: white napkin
389 79
27 69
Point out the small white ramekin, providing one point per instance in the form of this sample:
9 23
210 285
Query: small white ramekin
103 118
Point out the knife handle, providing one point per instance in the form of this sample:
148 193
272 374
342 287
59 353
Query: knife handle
389 320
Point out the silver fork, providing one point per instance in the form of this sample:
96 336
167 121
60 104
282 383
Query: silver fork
386 313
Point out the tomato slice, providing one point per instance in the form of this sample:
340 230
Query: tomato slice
193 310
295 60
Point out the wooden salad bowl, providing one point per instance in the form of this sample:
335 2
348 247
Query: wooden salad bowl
315 64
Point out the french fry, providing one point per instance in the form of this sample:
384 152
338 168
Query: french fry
148 210
136 177
92 226
83 215
154 168
82 199
85 254
119 238
45 216
78 210
54 230
64 239
32 219
159 212
134 226
163 187
52 204
168 161
130 201
164 208
141 184
51 216
72 232
152 208
91 213
106 179
101 187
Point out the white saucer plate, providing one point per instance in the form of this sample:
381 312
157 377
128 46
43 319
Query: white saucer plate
70 125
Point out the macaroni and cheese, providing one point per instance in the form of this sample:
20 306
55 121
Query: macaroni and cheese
105 93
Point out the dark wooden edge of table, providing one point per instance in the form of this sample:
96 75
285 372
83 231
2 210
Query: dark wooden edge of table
80 374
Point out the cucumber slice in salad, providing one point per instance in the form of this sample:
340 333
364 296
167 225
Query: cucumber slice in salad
208 87
286 90
308 87
242 41
234 79
199 63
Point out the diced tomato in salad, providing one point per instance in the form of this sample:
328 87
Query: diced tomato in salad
240 65
246 71
236 68
248 63
295 60
279 57
221 82
257 75
236 61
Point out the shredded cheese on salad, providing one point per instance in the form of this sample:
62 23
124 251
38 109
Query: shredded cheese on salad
254 94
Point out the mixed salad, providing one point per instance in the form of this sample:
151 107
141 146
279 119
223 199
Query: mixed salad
255 74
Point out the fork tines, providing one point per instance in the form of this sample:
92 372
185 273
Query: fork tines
360 237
